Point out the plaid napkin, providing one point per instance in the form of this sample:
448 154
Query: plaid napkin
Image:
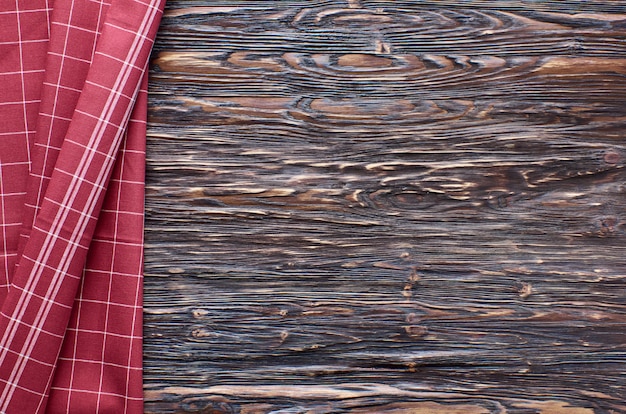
73 107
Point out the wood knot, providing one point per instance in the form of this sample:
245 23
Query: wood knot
382 48
416 331
412 318
612 157
609 224
200 333
407 291
198 313
414 276
525 290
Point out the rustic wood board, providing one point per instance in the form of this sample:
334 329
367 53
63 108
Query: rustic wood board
387 206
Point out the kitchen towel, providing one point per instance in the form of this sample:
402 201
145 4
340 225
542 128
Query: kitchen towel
73 103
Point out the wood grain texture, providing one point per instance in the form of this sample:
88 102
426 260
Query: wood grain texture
387 206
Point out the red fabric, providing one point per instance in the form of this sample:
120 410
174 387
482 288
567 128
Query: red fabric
72 149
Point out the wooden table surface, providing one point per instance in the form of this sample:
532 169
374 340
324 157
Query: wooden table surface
387 207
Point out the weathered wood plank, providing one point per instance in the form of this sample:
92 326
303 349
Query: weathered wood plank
377 206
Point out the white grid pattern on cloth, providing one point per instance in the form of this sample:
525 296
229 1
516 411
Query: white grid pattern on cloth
52 129
5 253
18 126
136 341
116 210
52 240
41 289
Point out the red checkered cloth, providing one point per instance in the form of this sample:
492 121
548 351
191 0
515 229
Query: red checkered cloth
73 108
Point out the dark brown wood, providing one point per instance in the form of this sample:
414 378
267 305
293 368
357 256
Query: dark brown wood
387 206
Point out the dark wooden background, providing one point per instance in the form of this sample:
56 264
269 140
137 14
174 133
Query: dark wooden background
387 207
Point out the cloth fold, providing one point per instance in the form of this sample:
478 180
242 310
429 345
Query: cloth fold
73 103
